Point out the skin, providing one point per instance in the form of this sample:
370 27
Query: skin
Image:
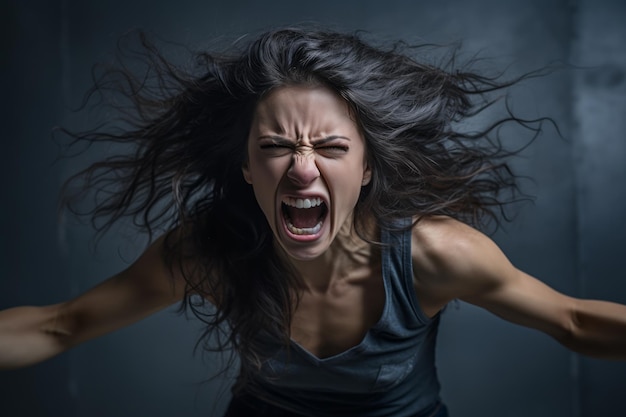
344 294
304 143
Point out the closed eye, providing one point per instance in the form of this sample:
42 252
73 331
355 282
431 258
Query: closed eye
334 149
273 149
333 145
337 147
275 143
275 146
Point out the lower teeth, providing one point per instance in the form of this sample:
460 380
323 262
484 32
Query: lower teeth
304 231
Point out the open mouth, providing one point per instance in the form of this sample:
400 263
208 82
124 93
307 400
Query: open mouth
304 216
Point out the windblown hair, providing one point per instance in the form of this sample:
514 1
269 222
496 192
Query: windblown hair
188 131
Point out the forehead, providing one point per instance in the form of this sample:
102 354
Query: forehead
303 110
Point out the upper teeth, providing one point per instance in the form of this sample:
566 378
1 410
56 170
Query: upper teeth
302 202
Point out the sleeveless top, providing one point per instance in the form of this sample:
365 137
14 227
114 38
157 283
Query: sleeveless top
390 373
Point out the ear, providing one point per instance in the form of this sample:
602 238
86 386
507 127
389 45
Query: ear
245 169
367 175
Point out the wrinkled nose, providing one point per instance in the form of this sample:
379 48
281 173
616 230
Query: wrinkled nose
303 170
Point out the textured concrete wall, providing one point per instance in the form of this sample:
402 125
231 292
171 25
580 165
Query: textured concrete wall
573 236
599 114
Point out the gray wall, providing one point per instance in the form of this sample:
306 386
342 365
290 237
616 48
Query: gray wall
573 237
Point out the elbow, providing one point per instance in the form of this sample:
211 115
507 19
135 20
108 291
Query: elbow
596 328
30 335
59 325
568 329
578 334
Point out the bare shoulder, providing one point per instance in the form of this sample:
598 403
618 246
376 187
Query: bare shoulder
152 271
452 259
434 236
441 244
170 265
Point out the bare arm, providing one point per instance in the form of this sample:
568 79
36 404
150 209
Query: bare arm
453 260
32 334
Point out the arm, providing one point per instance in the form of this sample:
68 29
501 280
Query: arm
32 334
453 260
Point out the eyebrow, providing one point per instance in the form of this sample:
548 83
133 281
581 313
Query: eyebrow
283 140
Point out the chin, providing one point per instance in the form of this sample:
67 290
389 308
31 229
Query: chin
303 250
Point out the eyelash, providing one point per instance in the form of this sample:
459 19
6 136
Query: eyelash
327 147
335 148
274 146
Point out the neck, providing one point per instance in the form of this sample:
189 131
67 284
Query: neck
347 251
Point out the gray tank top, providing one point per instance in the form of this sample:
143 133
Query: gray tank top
390 373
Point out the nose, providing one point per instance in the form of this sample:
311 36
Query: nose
303 170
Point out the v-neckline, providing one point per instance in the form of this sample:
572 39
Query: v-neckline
380 322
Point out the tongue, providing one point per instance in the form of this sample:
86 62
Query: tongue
305 218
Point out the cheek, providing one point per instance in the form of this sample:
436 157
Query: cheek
346 183
265 176
267 172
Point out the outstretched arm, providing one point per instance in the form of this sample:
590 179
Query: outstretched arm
32 334
453 260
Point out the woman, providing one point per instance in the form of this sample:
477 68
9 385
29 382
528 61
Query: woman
320 194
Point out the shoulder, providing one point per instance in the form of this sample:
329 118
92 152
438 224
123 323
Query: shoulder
452 259
171 262
441 243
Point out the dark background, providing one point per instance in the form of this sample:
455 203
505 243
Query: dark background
573 237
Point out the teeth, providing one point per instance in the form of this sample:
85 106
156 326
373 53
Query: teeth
305 231
302 202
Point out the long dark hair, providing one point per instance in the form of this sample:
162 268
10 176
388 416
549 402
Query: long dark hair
188 131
